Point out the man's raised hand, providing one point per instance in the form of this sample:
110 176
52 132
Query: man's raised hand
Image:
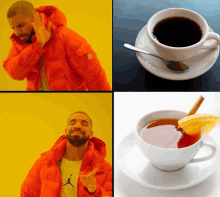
43 34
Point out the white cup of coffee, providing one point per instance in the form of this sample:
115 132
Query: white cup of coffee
183 52
170 159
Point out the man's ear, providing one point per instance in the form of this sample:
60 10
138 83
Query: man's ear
30 17
65 132
29 20
91 134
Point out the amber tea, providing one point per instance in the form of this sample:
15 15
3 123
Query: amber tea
163 133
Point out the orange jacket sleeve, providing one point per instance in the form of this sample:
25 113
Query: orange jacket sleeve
85 63
106 189
31 186
19 64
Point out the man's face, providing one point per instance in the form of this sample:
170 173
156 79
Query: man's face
78 130
22 27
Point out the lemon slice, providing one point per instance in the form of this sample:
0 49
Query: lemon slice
193 124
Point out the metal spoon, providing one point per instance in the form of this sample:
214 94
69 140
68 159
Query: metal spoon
173 65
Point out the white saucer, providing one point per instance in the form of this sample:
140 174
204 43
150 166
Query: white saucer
137 167
199 64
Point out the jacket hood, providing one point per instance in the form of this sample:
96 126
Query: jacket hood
50 14
94 155
53 15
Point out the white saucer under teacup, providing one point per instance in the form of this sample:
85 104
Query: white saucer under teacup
199 56
136 166
199 63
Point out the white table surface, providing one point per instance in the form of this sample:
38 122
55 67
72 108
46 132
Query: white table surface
129 107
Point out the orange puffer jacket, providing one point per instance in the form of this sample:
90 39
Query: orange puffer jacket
44 179
69 61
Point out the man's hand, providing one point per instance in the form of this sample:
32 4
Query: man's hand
89 180
42 34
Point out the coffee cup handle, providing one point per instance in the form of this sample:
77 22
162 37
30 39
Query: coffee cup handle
205 143
214 44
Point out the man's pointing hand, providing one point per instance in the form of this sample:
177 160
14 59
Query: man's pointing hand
89 180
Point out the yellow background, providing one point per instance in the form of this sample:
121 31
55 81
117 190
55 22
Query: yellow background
90 19
32 122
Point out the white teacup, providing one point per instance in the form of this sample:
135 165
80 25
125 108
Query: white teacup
169 159
182 53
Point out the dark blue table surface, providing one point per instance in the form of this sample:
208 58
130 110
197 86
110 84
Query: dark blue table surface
129 17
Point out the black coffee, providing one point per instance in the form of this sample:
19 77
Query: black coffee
177 32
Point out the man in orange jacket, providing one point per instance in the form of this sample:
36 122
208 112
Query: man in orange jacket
75 166
48 54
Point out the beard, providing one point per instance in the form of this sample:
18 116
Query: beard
76 140
29 41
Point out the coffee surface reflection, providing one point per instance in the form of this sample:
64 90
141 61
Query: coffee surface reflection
177 32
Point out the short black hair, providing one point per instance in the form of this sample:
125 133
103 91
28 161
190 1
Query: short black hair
24 7
79 112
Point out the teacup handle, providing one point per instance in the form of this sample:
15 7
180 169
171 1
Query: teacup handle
211 45
205 143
